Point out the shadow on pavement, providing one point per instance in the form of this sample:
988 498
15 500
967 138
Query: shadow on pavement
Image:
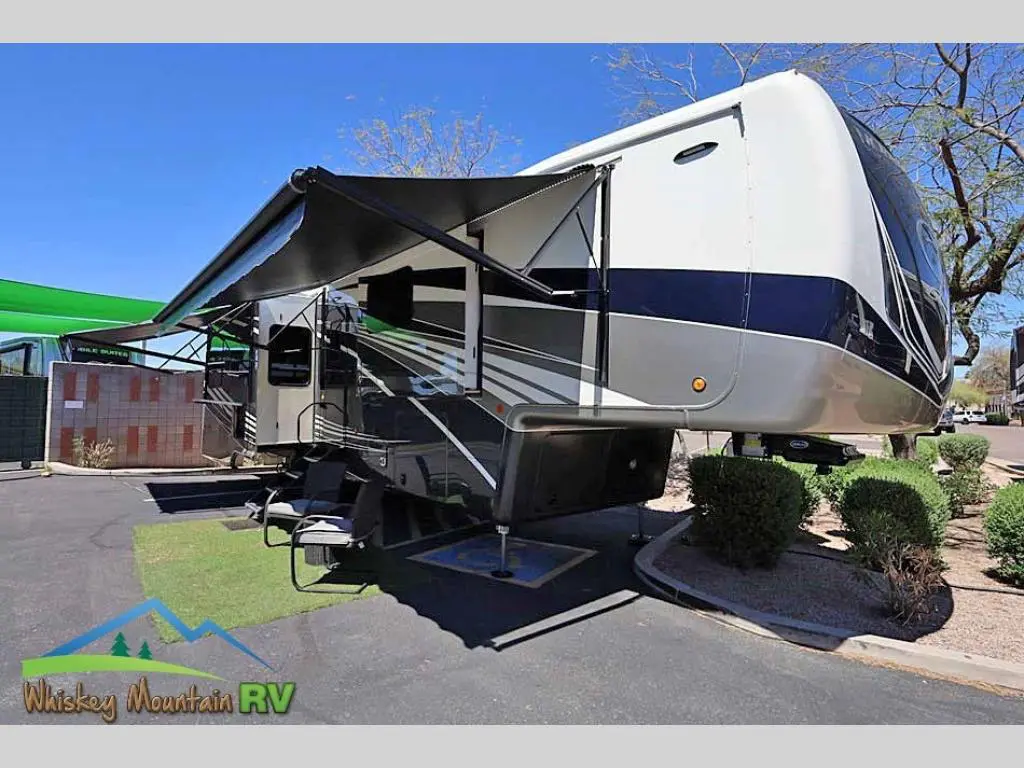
177 496
485 612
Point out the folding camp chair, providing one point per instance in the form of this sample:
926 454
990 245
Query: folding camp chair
321 494
321 535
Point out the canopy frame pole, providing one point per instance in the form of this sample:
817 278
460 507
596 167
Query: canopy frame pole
603 304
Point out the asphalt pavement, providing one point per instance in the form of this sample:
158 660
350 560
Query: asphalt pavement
440 646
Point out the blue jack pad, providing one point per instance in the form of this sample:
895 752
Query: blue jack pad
532 563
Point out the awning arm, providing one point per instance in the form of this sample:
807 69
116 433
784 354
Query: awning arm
573 209
190 344
430 232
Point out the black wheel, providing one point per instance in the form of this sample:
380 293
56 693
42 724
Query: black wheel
233 462
26 464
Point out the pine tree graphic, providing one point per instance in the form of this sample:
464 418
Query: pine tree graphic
120 647
144 652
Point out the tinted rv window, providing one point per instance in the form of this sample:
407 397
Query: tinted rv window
912 238
289 355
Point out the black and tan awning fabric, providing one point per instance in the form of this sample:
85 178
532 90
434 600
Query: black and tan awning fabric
321 227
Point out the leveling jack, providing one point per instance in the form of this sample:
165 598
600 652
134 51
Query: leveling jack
503 572
639 538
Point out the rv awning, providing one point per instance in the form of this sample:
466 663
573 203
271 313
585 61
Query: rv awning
321 227
128 334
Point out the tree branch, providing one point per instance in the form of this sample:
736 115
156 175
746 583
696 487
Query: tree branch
961 201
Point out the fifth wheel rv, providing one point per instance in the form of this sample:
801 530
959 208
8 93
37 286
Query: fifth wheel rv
756 262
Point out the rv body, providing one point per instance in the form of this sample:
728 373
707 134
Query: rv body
756 263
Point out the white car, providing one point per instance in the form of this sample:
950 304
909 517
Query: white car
971 416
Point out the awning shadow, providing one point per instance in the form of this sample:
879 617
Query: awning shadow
486 612
177 496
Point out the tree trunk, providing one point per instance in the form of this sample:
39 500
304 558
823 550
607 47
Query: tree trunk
903 446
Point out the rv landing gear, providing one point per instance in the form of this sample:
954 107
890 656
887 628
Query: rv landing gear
639 538
503 572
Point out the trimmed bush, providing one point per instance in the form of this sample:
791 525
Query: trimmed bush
811 495
997 419
888 505
748 511
1004 532
962 451
834 484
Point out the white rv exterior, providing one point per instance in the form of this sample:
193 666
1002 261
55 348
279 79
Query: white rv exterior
756 262
751 202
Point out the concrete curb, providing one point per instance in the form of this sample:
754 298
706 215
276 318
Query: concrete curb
962 667
58 468
1005 467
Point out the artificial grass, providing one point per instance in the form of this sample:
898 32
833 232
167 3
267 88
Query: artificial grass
202 570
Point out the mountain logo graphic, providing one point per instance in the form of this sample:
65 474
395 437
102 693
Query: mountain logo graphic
64 660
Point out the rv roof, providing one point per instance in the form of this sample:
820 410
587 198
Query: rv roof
655 126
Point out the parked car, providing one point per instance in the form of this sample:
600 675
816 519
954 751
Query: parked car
976 416
946 423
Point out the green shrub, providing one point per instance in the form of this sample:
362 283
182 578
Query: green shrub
834 484
748 511
997 419
964 486
811 495
1004 532
888 505
961 451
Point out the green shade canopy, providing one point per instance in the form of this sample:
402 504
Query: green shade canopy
44 325
43 301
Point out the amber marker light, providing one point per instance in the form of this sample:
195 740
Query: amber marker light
699 384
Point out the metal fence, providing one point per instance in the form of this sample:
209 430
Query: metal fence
22 418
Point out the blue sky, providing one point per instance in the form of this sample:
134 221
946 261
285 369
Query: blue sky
128 167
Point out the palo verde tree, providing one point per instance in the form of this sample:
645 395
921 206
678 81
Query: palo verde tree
419 142
991 370
950 112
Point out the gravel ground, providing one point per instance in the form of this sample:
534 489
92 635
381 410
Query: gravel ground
973 613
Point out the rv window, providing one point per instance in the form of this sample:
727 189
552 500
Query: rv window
290 356
15 362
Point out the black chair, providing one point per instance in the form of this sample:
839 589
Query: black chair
322 536
322 488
